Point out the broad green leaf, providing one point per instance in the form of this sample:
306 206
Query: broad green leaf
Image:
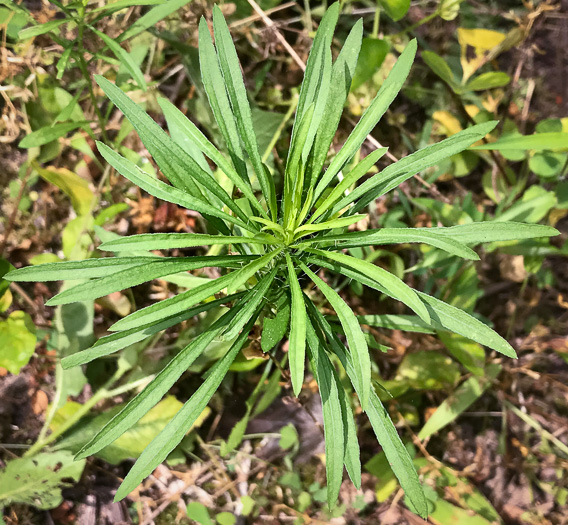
393 286
355 337
74 270
389 90
396 173
176 429
459 401
118 341
398 235
334 434
138 275
536 142
162 310
371 57
177 165
341 76
451 318
17 340
428 370
297 342
198 512
163 191
75 187
245 273
397 454
490 80
38 480
238 96
41 29
168 241
47 134
202 143
396 9
151 18
157 388
124 57
482 232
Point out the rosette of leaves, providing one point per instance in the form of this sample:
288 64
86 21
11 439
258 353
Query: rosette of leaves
280 239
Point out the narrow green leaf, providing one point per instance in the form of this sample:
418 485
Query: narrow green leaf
196 137
47 134
214 85
489 80
341 75
407 323
341 222
163 191
40 29
140 274
351 178
122 4
329 387
244 274
397 173
167 307
175 163
352 455
124 57
535 142
482 232
384 236
297 343
168 241
449 317
439 66
392 285
157 388
255 299
176 429
118 341
151 18
238 96
355 337
61 65
71 270
459 401
388 91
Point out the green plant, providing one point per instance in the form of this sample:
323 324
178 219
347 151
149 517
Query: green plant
280 243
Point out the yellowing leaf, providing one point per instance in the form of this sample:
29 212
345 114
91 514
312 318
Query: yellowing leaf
482 41
17 341
71 184
450 123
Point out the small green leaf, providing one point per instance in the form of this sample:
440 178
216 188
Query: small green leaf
439 66
371 57
274 329
396 9
490 80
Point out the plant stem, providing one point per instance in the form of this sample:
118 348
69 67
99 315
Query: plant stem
410 29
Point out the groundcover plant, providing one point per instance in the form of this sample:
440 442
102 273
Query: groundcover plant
272 243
